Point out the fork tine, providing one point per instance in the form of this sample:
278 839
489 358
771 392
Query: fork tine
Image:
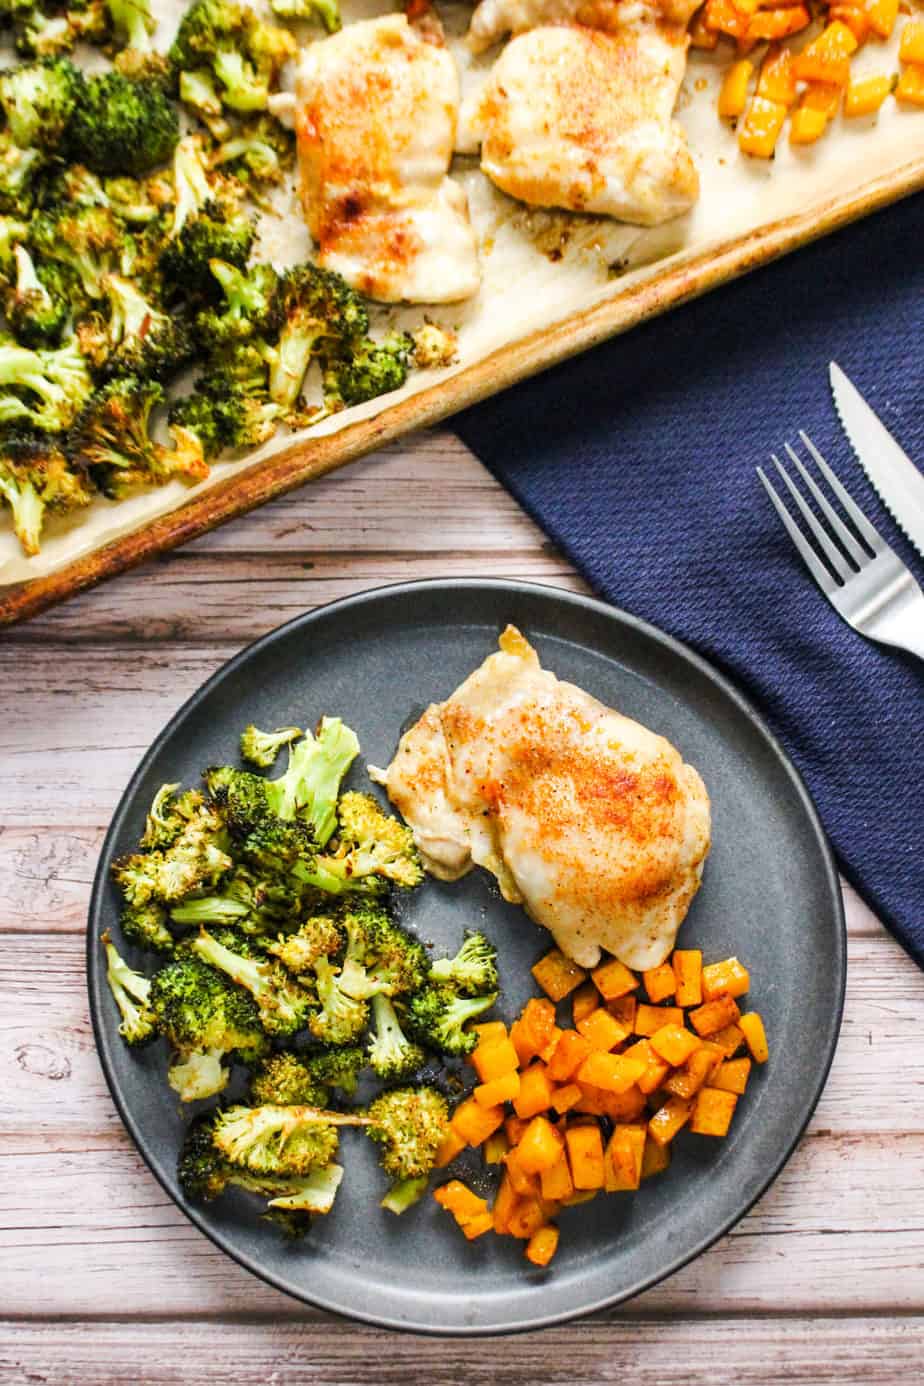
832 555
841 532
817 569
867 531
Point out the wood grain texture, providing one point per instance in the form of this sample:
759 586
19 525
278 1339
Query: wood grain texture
664 288
99 1272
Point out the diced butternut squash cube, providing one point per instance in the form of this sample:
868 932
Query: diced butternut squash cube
733 98
585 1156
855 17
807 125
624 1009
451 1146
650 1019
882 15
490 1032
776 82
655 1158
570 1052
712 1112
556 1181
688 970
580 1196
504 1203
546 1053
514 1127
493 1059
729 1039
557 975
910 87
660 982
525 1185
612 1072
656 1068
495 1147
601 1031
777 24
502 1089
713 1016
687 1081
613 979
669 1119
542 1245
821 96
540 1146
759 130
809 67
732 1076
728 978
584 1000
674 1044
566 1097
534 1028
864 98
755 1037
722 17
527 1217
592 1101
535 1093
474 1123
625 1106
477 1227
459 1200
911 47
624 1159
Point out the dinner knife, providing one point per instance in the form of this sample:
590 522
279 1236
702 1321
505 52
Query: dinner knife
898 482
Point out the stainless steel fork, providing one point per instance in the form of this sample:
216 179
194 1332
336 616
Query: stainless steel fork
864 580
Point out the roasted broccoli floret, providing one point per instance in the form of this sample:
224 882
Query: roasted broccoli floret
40 35
136 200
281 1140
473 970
86 238
200 415
258 151
410 1124
391 1054
195 860
434 346
131 993
248 308
37 313
19 173
365 369
261 748
133 22
58 380
338 1067
218 232
326 11
205 1019
269 841
35 479
285 1005
252 904
321 314
163 823
371 843
199 94
204 1173
286 1079
146 926
317 937
144 339
111 435
12 233
380 956
243 52
341 1019
39 99
437 1015
124 126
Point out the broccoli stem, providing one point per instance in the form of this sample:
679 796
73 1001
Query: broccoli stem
404 1194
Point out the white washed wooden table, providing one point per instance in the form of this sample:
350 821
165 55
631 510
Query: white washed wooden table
102 1279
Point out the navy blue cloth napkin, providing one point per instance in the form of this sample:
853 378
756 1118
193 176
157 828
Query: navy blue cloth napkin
638 460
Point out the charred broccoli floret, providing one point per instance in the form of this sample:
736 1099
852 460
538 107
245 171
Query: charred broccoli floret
36 308
143 339
317 937
164 822
391 1054
281 1140
35 479
111 435
195 860
146 926
286 1079
131 993
220 231
341 1018
410 1124
473 970
124 126
380 956
321 314
326 11
367 369
39 100
258 151
338 1068
54 384
243 52
370 843
19 173
437 1015
200 415
86 238
41 35
206 1020
248 308
261 748
285 1005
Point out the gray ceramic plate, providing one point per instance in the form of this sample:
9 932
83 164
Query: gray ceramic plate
770 894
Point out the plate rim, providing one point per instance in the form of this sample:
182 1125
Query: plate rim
568 598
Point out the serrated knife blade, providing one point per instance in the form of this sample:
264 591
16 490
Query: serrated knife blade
898 482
